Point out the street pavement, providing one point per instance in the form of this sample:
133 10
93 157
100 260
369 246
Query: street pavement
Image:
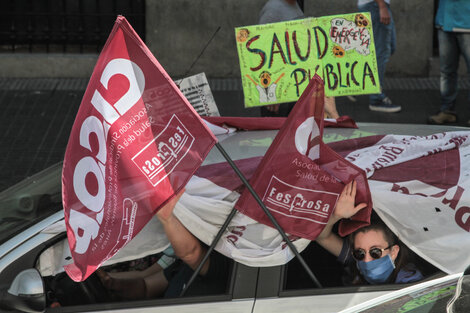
37 115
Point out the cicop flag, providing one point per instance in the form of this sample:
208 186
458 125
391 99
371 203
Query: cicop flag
134 144
300 178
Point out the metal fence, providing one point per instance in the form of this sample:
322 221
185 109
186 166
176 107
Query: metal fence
64 26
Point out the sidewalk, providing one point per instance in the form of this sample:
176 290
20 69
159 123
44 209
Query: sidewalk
37 115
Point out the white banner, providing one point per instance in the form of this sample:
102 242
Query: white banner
424 195
420 187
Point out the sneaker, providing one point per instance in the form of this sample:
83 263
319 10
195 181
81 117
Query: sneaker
442 118
385 106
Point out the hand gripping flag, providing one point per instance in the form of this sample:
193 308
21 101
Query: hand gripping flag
300 178
135 143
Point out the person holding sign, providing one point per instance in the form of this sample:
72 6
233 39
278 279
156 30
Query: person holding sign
385 43
380 257
272 12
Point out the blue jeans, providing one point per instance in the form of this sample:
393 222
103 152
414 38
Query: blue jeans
385 43
451 45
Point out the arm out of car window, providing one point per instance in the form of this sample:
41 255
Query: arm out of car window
345 208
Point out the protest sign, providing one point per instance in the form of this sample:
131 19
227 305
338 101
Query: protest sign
198 92
134 144
277 60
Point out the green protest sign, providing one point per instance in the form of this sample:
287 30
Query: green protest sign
277 60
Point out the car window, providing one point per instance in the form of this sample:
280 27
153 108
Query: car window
323 264
30 201
332 273
62 291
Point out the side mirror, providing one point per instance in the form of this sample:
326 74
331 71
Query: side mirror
26 293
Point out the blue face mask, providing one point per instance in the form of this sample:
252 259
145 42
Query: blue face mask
376 271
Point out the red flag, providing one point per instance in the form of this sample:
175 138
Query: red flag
300 178
135 143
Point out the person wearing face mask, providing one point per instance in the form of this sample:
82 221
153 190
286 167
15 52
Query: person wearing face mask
378 255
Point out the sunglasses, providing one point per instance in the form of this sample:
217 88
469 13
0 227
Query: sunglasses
375 253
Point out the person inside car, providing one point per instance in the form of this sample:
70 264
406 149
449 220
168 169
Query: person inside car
378 254
170 281
134 284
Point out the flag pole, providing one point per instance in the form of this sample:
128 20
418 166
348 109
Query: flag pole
208 252
230 217
232 213
270 216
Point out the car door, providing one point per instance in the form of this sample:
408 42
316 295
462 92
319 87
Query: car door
23 251
288 288
239 297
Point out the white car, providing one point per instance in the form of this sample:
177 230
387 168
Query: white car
31 210
450 293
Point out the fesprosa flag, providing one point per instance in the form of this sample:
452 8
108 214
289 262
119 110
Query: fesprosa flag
134 144
300 178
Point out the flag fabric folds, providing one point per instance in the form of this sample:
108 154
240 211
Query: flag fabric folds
420 188
300 178
135 143
258 123
418 185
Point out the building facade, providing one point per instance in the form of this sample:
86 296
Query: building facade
176 31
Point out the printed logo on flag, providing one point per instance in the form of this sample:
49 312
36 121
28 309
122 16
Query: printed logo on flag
173 143
300 177
299 203
129 208
307 139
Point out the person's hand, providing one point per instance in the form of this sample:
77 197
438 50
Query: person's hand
273 108
167 210
384 14
345 208
330 108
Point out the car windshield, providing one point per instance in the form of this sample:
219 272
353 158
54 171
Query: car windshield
30 201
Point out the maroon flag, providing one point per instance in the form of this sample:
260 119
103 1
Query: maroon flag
300 178
135 143
258 123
